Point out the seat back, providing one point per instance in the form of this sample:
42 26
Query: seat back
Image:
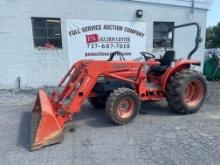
168 58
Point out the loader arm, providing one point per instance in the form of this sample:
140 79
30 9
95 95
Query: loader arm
53 112
89 76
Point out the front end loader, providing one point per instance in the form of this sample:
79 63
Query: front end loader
119 86
50 113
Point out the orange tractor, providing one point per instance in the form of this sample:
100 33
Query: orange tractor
119 86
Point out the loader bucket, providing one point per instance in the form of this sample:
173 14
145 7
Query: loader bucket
47 125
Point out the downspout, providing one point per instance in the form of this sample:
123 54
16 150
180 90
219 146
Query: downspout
193 6
18 82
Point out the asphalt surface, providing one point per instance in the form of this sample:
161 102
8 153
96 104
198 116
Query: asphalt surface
159 137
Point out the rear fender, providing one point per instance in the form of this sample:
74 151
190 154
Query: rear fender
179 65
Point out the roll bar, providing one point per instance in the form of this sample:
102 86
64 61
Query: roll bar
198 39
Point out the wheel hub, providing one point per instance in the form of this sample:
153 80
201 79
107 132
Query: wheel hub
194 93
125 108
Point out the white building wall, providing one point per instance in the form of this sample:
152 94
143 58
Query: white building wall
204 4
46 67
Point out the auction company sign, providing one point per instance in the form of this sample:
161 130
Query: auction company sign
97 39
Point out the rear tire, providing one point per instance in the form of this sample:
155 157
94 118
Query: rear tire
123 105
186 91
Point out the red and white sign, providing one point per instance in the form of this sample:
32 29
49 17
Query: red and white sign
96 39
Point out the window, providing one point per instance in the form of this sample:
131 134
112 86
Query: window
47 32
161 35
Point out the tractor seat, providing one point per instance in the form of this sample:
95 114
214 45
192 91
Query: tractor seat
165 62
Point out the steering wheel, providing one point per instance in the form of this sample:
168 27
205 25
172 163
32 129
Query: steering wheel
147 55
116 53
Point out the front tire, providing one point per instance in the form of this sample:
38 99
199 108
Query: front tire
123 105
186 91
